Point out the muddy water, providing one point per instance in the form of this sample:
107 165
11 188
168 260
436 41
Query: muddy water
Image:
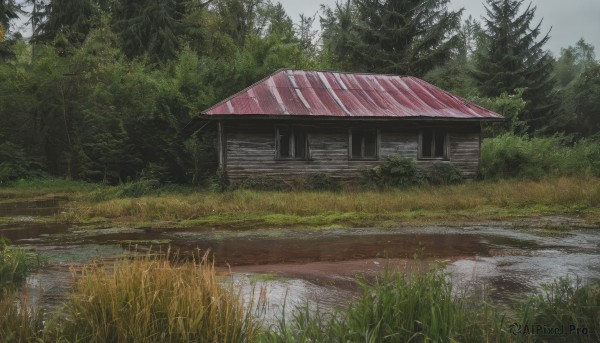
322 265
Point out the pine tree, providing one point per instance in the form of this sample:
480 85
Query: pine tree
392 36
9 11
513 57
68 20
149 27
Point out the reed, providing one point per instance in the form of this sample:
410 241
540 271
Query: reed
19 321
150 299
419 308
15 264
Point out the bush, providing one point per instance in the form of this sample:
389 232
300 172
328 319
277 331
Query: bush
509 155
395 171
220 181
321 182
444 174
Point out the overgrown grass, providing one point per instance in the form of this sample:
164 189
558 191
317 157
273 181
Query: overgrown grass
568 305
150 300
19 321
424 308
419 308
469 201
15 264
153 300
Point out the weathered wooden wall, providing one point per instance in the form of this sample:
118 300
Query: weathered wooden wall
248 148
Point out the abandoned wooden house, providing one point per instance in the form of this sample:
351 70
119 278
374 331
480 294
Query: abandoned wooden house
298 122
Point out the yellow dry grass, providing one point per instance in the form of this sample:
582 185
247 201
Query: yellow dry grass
476 200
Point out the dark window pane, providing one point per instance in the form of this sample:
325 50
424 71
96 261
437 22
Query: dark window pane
357 144
426 142
440 141
300 143
370 144
284 142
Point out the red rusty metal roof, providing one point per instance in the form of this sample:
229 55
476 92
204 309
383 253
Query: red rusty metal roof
334 94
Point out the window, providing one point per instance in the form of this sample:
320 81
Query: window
363 144
291 143
433 144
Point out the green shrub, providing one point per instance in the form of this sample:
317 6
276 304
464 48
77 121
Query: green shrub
395 171
321 182
509 155
444 174
221 180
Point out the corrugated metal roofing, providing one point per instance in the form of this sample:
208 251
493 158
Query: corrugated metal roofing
334 94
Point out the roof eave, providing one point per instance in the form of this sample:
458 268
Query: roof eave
338 118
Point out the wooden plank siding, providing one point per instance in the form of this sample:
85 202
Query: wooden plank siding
249 148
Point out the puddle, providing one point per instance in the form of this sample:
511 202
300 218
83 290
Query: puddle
320 266
36 208
277 298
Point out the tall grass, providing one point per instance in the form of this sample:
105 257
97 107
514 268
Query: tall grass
15 264
152 300
422 308
19 321
470 200
568 305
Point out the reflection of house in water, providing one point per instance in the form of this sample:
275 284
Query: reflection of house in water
298 122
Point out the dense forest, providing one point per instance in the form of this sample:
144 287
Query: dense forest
105 90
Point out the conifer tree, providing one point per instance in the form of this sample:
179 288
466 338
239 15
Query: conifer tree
68 20
392 36
513 57
9 11
148 27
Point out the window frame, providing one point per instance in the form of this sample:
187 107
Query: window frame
292 144
434 131
352 131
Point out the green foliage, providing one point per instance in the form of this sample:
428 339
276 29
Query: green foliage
509 155
444 174
321 182
395 171
586 100
511 106
14 164
138 188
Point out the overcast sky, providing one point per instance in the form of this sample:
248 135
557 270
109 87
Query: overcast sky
569 19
